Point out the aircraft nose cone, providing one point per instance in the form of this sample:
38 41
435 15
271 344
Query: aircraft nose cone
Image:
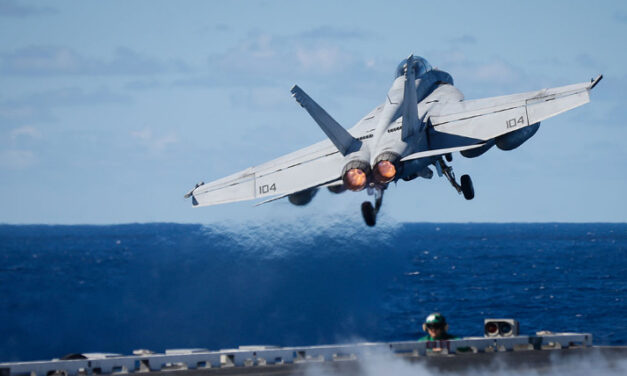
385 171
355 179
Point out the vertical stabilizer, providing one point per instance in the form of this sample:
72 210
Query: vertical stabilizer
410 101
340 137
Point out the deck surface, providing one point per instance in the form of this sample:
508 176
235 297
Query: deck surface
567 361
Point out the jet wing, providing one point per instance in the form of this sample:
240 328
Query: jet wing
487 118
310 167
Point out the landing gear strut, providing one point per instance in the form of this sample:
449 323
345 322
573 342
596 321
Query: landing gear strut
466 188
368 211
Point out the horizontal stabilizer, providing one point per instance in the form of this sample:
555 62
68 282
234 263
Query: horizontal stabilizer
336 133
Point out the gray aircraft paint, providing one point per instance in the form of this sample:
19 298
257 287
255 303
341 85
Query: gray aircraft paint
442 122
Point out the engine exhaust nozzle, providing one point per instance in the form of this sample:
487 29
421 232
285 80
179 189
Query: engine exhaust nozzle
384 171
355 179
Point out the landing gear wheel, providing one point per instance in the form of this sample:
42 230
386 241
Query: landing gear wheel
449 157
467 189
369 214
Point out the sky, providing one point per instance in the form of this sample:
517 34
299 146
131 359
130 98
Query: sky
111 111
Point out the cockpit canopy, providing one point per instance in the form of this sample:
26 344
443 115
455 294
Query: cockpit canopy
421 66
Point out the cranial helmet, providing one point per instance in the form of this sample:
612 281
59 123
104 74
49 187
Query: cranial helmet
435 319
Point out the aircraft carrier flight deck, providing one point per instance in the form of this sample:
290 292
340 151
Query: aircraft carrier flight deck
561 352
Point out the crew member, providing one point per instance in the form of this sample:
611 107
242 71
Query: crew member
436 327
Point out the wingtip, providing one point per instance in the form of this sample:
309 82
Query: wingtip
595 81
191 193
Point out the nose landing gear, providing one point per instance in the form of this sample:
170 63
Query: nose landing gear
368 211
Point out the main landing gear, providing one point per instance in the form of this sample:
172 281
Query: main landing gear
465 187
368 211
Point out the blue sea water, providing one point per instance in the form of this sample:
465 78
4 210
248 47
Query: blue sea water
117 288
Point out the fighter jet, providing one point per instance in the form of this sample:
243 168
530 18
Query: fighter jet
422 121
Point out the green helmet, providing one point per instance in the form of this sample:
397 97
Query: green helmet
435 318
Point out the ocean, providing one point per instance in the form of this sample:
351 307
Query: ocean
68 289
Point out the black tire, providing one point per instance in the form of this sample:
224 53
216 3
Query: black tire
367 211
449 157
467 189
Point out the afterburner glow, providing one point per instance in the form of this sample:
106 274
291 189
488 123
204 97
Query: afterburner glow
355 179
384 171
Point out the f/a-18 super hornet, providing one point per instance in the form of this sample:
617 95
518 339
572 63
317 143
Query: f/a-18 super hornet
422 121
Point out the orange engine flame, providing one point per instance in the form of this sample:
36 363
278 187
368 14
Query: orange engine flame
385 171
355 179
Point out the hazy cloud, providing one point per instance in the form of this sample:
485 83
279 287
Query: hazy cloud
261 54
549 61
323 59
143 85
37 107
220 28
153 142
16 159
12 8
15 153
25 132
464 39
56 60
493 74
261 98
73 96
498 71
20 113
211 80
266 60
330 32
202 82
